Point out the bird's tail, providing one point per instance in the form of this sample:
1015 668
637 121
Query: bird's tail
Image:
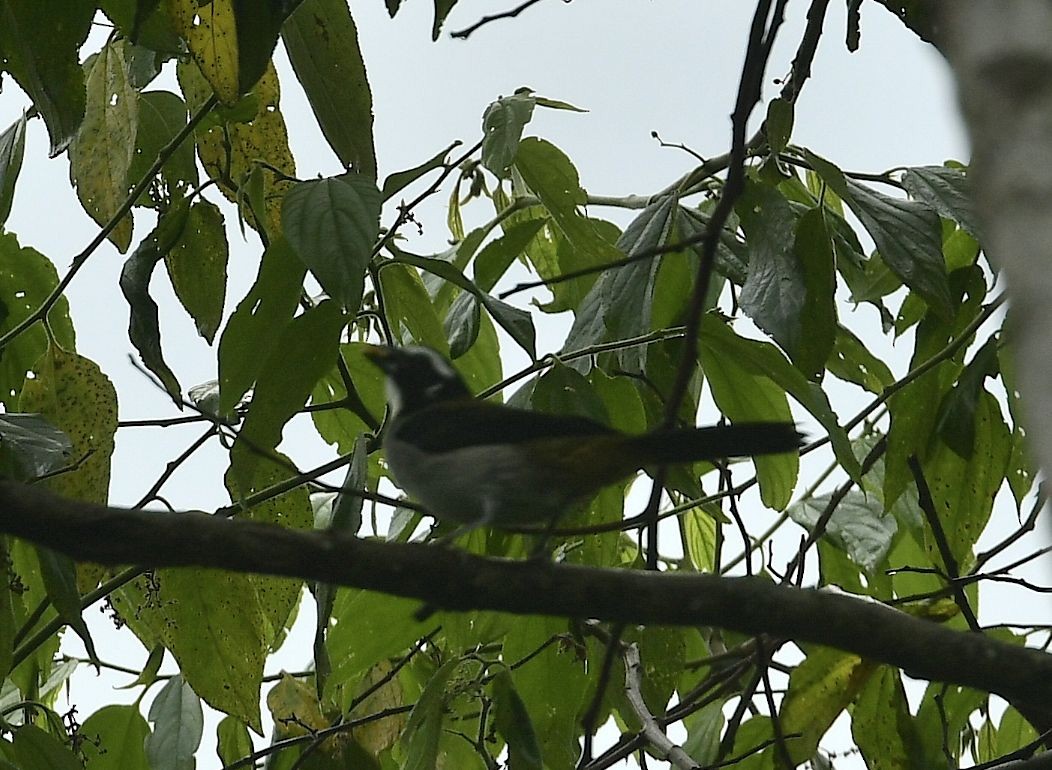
681 445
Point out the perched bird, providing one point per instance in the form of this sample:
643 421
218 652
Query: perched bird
478 463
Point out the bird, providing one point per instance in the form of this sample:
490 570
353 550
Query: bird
478 463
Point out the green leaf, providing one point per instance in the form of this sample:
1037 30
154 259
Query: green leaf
945 189
332 224
12 149
71 393
745 395
258 25
907 235
115 739
410 309
214 625
496 256
30 446
197 267
859 526
278 596
779 124
517 323
502 126
764 359
774 294
913 415
35 749
27 277
370 626
967 487
553 179
101 154
143 326
818 321
732 256
555 104
342 427
60 580
232 740
881 724
424 728
261 315
554 686
162 115
700 537
620 303
442 9
399 180
303 351
956 421
1013 733
178 724
43 56
322 43
462 324
853 362
513 723
820 688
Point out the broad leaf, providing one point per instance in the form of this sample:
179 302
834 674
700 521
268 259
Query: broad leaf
322 43
332 224
44 58
143 326
116 737
197 267
102 153
399 180
945 189
27 277
512 721
764 359
820 688
178 726
77 398
161 116
858 526
502 126
210 32
12 148
302 352
269 305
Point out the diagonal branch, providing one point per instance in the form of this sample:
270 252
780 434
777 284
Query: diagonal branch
460 581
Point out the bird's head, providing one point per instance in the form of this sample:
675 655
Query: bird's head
416 376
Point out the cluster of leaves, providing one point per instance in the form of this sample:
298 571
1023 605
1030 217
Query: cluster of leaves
465 687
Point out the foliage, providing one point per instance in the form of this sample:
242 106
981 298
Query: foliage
467 689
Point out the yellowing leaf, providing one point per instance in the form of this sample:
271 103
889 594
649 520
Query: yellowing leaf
232 149
103 150
211 34
73 394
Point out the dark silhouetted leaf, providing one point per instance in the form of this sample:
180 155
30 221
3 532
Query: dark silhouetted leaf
322 43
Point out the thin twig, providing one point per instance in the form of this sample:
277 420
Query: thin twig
464 34
655 736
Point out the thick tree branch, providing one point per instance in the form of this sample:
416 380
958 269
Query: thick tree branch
460 581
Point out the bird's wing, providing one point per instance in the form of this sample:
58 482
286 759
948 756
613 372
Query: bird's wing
457 424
